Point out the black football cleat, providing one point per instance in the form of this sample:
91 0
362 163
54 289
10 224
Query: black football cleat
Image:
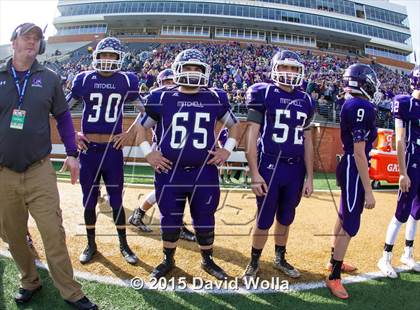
187 234
128 255
136 219
250 272
163 268
87 254
213 269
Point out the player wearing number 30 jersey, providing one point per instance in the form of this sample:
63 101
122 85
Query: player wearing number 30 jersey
278 116
103 92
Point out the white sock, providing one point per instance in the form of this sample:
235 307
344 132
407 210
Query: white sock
151 198
410 229
392 231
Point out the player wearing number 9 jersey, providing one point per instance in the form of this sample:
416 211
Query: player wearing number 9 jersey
185 162
103 92
358 132
279 117
406 111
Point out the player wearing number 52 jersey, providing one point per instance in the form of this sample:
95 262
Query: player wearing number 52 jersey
185 162
358 131
406 110
103 93
279 116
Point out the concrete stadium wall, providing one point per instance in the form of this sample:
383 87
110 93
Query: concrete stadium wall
326 139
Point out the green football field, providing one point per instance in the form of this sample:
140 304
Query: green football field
375 294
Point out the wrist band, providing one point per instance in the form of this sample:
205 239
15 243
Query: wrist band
230 144
145 148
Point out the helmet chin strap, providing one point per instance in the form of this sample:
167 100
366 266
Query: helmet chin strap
365 94
189 89
285 87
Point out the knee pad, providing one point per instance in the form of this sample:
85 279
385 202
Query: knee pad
205 238
171 236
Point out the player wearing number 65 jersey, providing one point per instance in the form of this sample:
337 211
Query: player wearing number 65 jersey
279 116
358 131
407 130
186 160
103 92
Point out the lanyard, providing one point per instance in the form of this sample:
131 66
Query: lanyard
21 92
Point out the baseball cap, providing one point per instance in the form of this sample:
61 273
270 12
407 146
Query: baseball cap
25 28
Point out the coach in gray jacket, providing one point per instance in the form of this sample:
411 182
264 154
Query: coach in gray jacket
29 92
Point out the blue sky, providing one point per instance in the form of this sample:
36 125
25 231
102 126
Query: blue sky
14 12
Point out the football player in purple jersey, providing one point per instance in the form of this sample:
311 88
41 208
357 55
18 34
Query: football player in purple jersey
280 156
406 111
103 91
164 78
358 132
186 159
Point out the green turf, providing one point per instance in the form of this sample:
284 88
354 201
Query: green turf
375 294
144 175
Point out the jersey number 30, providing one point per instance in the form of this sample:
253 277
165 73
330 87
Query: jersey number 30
113 103
298 139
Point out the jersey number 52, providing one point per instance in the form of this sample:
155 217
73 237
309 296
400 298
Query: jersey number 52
298 139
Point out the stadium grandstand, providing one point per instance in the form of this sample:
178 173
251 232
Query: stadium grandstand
239 39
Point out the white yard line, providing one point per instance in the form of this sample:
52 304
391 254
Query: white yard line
234 288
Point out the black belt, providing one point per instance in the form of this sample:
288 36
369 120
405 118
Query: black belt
290 160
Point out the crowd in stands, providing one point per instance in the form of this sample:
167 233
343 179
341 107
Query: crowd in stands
235 67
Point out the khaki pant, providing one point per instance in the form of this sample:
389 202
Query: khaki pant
35 190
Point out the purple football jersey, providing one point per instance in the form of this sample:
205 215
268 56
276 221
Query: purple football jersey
103 99
358 123
285 116
185 128
407 108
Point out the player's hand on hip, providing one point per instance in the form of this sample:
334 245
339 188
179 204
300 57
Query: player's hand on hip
258 185
219 157
124 139
369 200
72 164
158 162
82 141
308 188
405 183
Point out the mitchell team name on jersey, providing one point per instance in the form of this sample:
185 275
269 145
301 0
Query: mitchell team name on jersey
182 104
104 86
185 123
